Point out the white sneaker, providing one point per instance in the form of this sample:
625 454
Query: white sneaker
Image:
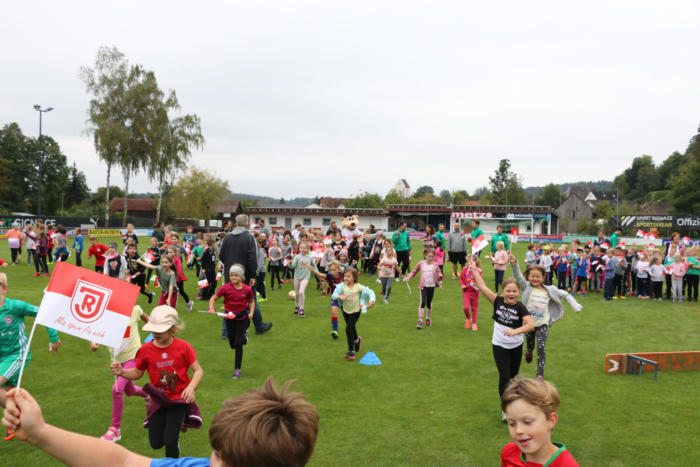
386 301
189 306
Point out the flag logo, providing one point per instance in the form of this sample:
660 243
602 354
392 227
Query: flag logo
89 301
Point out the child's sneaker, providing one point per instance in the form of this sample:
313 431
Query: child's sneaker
528 356
350 355
36 274
474 327
419 325
467 323
189 305
236 374
358 343
427 322
296 310
386 302
151 296
334 334
47 274
113 435
301 312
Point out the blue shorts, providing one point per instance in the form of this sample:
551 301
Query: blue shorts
335 303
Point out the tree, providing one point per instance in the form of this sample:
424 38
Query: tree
446 196
423 190
460 196
54 174
195 193
506 187
77 189
549 196
108 109
366 200
180 135
685 190
14 162
638 180
392 197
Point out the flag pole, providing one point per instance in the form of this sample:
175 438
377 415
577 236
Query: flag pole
26 352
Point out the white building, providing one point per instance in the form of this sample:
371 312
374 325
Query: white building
402 188
312 217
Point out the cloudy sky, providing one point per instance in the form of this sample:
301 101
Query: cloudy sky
332 98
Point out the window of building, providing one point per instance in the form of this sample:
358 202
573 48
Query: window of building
273 221
326 222
307 221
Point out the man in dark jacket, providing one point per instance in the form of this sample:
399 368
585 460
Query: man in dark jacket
240 247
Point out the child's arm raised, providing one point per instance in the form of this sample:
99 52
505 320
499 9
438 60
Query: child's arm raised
516 271
23 416
488 293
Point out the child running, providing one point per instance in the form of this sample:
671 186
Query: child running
511 321
179 274
137 273
354 297
301 276
387 269
115 265
430 278
167 361
239 304
97 250
125 355
13 339
166 279
470 294
332 278
531 413
544 305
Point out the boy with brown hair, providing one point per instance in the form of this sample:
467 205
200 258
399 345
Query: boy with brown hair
282 425
531 413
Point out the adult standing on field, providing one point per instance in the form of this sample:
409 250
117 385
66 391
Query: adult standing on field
440 235
601 238
476 232
457 250
14 240
239 247
615 238
402 247
500 237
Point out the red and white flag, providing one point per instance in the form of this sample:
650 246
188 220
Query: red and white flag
87 305
605 245
203 283
148 257
641 233
686 240
479 243
621 245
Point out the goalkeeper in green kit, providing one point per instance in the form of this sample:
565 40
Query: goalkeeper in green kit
14 341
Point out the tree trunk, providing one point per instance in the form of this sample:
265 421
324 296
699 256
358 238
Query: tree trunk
160 198
127 175
109 172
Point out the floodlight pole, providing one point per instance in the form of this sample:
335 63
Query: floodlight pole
38 108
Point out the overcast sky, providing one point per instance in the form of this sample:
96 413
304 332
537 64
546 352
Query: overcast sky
331 98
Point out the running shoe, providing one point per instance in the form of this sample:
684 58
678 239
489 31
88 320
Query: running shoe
113 435
419 325
528 356
467 323
334 334
427 322
350 355
358 343
474 327
236 374
301 312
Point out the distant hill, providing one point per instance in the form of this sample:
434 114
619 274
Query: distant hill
600 185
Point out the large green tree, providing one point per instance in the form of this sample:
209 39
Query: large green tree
685 189
506 187
195 193
366 200
549 196
639 180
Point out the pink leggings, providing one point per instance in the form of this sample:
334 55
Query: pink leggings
300 291
471 301
122 386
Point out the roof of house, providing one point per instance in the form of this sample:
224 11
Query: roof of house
328 202
300 210
229 205
133 204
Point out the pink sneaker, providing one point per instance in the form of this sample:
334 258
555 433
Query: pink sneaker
474 327
467 323
113 435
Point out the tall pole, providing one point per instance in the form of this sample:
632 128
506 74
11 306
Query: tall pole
38 108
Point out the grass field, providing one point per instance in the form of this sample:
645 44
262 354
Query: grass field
434 399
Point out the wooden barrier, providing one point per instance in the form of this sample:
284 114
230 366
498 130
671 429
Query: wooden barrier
667 361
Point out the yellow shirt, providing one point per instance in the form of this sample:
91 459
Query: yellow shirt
352 303
538 306
131 341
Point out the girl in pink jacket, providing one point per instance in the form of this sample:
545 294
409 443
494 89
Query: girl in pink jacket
430 277
470 294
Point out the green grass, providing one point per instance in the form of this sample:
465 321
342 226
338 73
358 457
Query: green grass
434 399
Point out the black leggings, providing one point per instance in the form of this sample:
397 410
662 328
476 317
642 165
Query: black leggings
426 297
507 363
350 329
561 280
16 252
211 288
181 288
237 337
692 286
41 264
164 429
275 274
404 259
498 279
260 284
140 280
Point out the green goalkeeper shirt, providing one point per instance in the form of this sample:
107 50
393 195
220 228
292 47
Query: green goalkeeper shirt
13 335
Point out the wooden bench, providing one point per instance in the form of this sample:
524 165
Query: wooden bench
635 364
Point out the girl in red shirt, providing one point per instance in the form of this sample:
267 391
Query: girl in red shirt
167 361
180 275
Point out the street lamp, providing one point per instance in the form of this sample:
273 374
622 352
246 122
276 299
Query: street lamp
38 108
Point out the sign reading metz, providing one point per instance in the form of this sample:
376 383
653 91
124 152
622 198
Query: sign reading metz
88 305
